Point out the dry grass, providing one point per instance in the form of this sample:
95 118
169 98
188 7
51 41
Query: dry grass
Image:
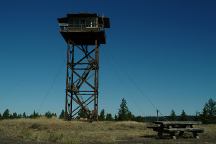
59 131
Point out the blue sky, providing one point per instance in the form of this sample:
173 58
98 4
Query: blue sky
158 54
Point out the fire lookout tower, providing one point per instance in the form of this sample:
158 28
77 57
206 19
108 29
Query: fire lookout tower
83 33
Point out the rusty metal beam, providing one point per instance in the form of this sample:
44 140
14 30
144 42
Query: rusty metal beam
82 81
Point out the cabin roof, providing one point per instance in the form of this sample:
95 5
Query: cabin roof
76 15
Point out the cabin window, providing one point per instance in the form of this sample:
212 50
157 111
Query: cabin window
75 23
82 23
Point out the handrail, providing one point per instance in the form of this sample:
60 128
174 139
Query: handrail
80 28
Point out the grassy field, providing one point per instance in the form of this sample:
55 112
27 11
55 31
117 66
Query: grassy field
74 132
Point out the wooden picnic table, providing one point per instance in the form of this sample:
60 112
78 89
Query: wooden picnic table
174 128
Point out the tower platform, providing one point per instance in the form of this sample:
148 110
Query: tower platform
83 28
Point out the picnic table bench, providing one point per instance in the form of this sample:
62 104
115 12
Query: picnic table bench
174 128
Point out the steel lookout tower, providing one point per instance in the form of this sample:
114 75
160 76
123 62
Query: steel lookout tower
83 33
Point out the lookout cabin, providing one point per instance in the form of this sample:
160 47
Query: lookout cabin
84 28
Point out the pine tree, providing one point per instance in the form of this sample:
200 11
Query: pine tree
102 115
173 115
115 117
209 112
48 114
109 117
34 115
19 116
204 116
24 115
54 115
183 116
14 115
210 107
124 113
62 115
6 114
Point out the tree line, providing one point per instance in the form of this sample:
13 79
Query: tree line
8 115
207 115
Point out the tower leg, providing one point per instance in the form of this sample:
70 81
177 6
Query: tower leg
82 81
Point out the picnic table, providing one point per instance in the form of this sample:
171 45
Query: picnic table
174 128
